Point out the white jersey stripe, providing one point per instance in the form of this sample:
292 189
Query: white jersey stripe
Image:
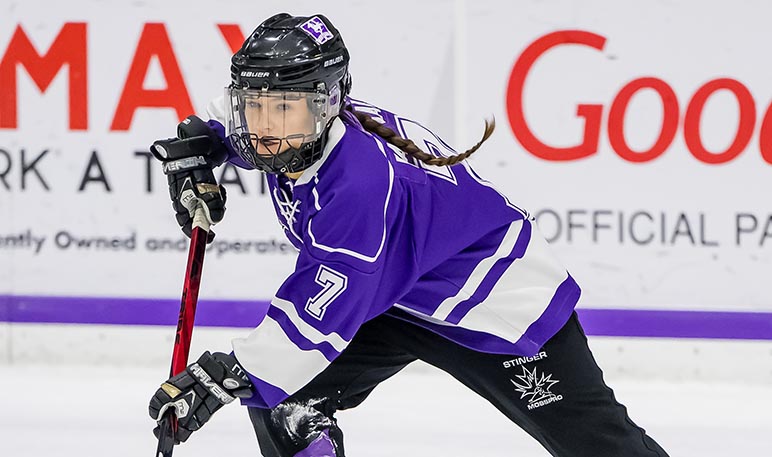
521 294
305 329
480 271
266 352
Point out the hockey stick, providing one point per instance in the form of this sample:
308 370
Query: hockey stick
168 423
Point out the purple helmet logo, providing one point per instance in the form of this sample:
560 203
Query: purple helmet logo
316 29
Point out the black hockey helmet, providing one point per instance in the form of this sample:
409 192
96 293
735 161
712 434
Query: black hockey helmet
287 63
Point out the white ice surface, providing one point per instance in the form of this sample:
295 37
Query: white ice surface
69 410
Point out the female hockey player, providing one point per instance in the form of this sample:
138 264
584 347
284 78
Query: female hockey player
404 253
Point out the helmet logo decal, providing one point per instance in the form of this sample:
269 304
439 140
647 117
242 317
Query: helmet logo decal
316 29
333 61
255 74
334 95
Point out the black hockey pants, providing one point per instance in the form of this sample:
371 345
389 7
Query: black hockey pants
577 417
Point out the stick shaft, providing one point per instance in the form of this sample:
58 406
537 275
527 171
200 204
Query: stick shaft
189 301
181 351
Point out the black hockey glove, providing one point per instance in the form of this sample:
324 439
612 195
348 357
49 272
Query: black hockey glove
196 393
188 161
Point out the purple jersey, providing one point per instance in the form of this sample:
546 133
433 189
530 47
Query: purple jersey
379 232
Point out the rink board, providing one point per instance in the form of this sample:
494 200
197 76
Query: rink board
645 157
634 344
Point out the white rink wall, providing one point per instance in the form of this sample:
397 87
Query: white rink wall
621 358
637 133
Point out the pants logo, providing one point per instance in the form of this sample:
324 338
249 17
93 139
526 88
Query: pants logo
537 387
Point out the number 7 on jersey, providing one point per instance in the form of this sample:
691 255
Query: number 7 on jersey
333 284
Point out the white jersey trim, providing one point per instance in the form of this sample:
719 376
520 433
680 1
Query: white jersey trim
530 282
337 130
480 272
349 252
269 354
315 193
287 208
216 110
305 329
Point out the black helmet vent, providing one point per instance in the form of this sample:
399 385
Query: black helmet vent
298 72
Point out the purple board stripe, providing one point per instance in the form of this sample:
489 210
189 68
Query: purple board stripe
235 313
677 324
127 311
